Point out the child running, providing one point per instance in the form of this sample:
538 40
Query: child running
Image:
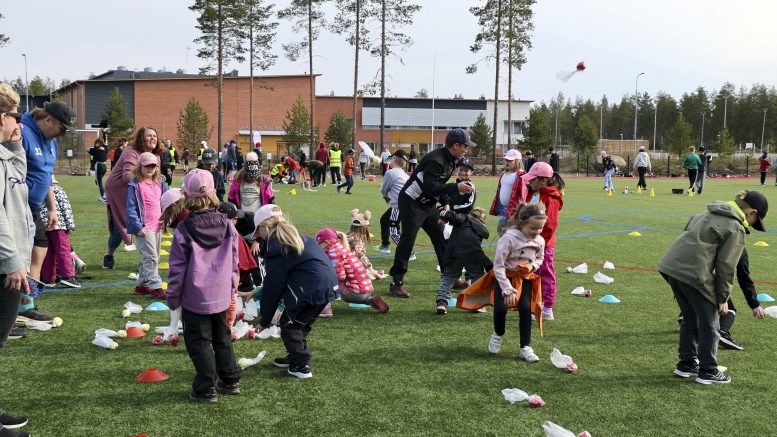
510 191
544 185
348 173
144 211
300 274
355 284
203 282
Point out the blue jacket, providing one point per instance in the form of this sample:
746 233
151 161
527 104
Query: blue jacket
41 159
136 211
302 280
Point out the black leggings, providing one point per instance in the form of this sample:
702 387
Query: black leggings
335 172
9 308
692 177
524 312
100 168
763 177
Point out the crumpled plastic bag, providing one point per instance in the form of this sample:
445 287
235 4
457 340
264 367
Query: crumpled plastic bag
39 326
562 361
250 310
609 266
582 268
513 395
602 278
175 321
110 333
104 342
272 331
240 330
553 430
446 231
133 307
579 291
771 311
248 362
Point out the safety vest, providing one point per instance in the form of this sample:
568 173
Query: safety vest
172 157
200 153
334 158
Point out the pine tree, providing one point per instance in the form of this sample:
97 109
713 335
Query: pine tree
339 130
296 126
679 136
537 132
585 138
481 134
118 118
193 125
726 145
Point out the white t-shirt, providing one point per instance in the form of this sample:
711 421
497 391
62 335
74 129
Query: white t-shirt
385 157
250 197
506 190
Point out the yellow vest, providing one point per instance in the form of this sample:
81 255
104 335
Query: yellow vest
334 158
199 153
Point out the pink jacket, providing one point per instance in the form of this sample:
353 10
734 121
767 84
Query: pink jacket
514 249
350 271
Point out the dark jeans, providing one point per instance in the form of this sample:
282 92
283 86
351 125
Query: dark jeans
763 177
9 308
348 184
413 216
727 321
100 169
411 167
294 332
699 328
642 183
524 312
209 344
384 168
389 227
335 172
363 169
692 177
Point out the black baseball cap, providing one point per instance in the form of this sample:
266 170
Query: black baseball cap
230 210
466 162
758 202
209 156
400 154
63 113
460 136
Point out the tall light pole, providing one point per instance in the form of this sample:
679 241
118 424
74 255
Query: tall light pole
655 122
763 130
636 105
601 122
701 143
725 110
26 86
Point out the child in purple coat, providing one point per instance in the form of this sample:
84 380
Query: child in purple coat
202 281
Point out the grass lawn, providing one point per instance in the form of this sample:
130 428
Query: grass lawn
411 371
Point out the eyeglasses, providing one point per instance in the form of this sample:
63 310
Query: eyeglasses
16 115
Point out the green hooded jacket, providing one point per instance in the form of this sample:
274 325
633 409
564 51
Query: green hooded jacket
705 255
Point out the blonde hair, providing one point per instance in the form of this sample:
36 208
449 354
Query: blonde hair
284 233
138 173
525 213
193 204
172 212
479 214
8 98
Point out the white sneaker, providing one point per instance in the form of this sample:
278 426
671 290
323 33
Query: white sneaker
412 256
495 343
527 354
547 314
130 248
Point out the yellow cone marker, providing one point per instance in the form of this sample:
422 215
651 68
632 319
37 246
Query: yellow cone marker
690 193
164 252
164 286
293 192
639 189
652 192
609 193
634 234
167 235
164 266
167 243
761 244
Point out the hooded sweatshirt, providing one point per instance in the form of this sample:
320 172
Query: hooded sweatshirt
204 261
14 218
514 249
41 159
706 253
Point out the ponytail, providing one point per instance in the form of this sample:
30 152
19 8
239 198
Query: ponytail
556 181
285 234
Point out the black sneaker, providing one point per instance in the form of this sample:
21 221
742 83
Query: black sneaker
108 262
228 389
71 282
12 422
205 397
713 377
727 341
300 371
686 370
16 333
442 307
23 319
5 432
283 363
680 319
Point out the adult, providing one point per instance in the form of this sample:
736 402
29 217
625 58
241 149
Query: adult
412 159
200 151
692 164
335 161
303 158
765 163
118 151
14 227
165 162
322 154
363 160
41 127
100 154
173 158
230 160
239 159
293 167
385 159
705 159
554 159
418 203
186 160
530 160
643 166
116 190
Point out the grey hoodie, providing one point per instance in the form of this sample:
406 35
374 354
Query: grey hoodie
14 211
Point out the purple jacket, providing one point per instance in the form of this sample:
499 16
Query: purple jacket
203 274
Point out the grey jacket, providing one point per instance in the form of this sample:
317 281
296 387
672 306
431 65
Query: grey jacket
14 211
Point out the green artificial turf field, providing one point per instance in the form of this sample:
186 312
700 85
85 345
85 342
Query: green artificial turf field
412 372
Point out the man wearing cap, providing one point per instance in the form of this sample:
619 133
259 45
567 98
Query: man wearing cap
700 266
418 202
392 184
210 163
41 128
642 165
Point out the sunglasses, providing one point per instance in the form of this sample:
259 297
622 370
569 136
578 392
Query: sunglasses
16 115
149 166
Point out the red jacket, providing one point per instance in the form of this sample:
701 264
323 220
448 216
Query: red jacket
348 170
350 271
551 198
517 197
291 163
765 164
322 154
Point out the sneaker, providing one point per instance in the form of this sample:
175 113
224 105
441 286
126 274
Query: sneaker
130 248
680 319
547 314
442 307
23 319
71 282
158 293
142 290
398 291
102 200
283 363
327 312
460 284
300 371
4 432
686 370
495 343
16 333
12 422
382 249
108 262
205 397
379 304
338 189
727 341
714 377
527 354
228 389
412 257
481 310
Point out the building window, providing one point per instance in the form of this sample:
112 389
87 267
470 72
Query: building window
517 127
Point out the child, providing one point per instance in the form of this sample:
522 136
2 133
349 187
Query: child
173 211
519 253
203 282
301 274
355 284
544 185
348 173
692 164
462 251
246 262
510 191
460 203
392 184
144 211
246 189
209 161
293 167
359 238
764 167
699 267
608 167
59 258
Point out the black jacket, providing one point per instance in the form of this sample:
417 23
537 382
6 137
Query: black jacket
302 280
466 239
746 282
429 181
459 202
554 161
218 183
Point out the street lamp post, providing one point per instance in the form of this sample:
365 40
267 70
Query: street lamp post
636 105
26 86
655 122
701 143
725 110
763 130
